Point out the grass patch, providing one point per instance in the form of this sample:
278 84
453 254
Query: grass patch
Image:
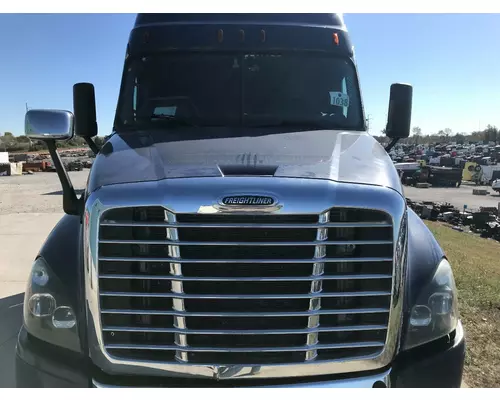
476 267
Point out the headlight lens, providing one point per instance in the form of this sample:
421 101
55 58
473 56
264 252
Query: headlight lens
436 312
48 315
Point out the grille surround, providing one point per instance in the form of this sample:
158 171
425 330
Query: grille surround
209 369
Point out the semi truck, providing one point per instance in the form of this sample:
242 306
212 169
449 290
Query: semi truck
239 227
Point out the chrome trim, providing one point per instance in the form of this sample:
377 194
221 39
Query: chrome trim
177 290
366 382
193 195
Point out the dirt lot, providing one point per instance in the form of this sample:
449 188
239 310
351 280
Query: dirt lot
38 193
41 193
457 196
31 205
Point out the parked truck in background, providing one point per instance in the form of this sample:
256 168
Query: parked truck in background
239 227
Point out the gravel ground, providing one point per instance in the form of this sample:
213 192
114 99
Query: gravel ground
38 193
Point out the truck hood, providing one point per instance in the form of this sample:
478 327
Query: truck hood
139 156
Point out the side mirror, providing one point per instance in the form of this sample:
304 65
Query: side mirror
85 110
49 124
399 116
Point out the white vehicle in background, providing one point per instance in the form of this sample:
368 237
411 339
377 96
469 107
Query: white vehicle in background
495 185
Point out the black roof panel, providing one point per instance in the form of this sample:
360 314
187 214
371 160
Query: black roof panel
308 19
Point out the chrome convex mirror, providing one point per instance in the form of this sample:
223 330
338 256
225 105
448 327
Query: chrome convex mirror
49 124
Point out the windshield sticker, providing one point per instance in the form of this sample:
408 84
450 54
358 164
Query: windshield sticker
339 99
162 111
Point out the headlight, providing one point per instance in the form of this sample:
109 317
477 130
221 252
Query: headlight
48 314
436 312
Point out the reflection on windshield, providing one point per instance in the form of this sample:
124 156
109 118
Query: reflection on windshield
307 90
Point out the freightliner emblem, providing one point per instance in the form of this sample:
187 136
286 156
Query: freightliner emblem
248 201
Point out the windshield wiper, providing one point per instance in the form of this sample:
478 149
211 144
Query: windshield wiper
173 119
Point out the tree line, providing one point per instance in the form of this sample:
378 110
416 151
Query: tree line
11 143
489 134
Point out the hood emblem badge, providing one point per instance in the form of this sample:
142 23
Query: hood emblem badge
249 200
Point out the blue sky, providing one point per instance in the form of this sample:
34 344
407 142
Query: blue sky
451 59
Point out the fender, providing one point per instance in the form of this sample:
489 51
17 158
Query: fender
62 250
423 257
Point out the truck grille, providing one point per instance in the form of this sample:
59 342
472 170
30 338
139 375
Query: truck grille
244 289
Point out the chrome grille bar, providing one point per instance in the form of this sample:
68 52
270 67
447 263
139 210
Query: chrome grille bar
246 332
247 349
249 261
247 314
249 226
179 295
187 243
239 279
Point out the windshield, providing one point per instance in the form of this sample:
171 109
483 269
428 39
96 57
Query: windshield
209 89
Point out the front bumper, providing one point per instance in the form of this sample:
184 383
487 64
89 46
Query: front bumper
438 364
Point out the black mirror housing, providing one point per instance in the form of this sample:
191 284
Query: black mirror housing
399 115
84 110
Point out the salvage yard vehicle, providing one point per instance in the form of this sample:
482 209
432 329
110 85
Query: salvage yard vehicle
495 185
240 227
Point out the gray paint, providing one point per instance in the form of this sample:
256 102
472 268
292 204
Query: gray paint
141 156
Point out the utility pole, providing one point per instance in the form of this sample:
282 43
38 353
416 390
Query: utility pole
368 119
29 140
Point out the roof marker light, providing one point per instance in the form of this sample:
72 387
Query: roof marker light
336 39
262 35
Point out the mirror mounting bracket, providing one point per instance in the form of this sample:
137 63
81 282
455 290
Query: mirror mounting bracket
93 146
72 204
391 144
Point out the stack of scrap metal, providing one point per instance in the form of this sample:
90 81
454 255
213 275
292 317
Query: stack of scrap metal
34 166
491 210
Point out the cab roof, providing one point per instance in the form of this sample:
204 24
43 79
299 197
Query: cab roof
330 20
153 33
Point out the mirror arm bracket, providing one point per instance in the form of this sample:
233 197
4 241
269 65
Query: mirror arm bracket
93 146
72 205
392 143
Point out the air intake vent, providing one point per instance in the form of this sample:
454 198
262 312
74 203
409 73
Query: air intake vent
248 170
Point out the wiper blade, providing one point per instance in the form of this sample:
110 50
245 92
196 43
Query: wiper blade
173 119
